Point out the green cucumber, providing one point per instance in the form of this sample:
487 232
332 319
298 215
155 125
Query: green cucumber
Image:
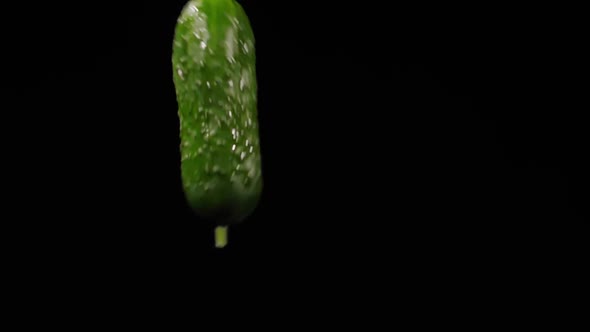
214 73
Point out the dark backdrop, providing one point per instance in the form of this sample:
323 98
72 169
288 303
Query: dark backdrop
397 143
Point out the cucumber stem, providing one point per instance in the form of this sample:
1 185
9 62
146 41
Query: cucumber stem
220 236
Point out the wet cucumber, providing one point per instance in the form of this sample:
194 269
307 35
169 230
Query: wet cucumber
214 74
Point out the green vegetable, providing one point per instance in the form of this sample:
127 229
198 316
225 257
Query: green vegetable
214 71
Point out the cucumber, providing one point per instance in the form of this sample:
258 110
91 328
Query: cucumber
214 73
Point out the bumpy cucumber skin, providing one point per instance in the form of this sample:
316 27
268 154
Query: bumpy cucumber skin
214 70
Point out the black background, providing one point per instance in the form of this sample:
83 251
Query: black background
397 143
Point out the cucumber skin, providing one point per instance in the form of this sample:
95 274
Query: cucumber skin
214 72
